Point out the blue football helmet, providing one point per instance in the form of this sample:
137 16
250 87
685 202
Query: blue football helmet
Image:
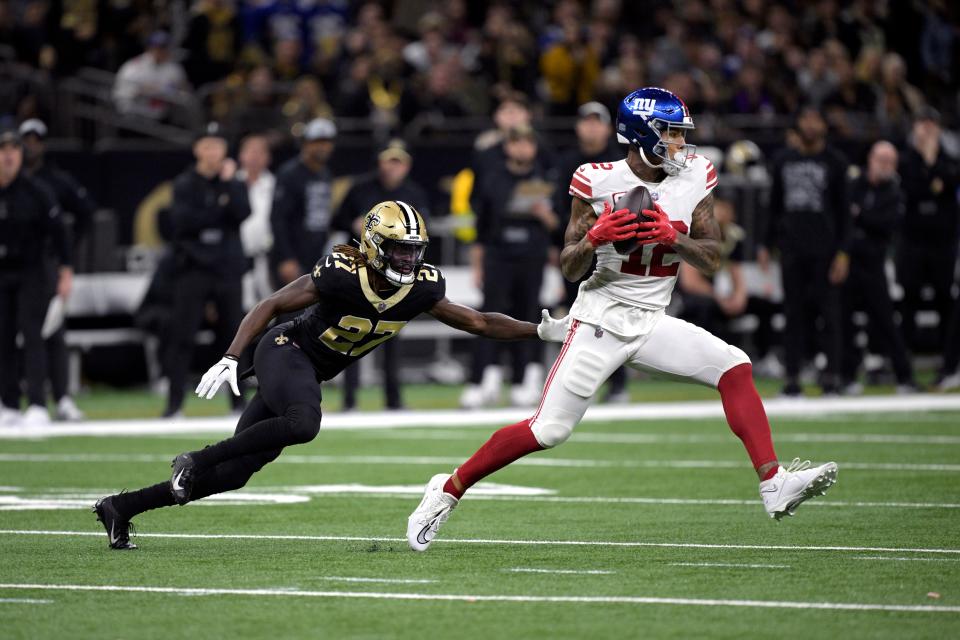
645 116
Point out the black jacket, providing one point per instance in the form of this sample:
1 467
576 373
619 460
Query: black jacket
931 198
73 198
502 202
876 211
302 213
809 210
206 216
367 191
29 219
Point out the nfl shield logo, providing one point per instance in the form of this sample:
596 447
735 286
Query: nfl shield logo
381 307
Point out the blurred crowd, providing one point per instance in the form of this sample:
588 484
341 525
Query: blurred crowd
275 64
268 72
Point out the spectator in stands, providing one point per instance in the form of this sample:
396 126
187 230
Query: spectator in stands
148 84
305 102
302 203
78 209
213 41
513 203
595 143
31 219
928 243
570 68
899 100
512 111
391 181
877 207
209 205
507 56
258 110
808 222
255 232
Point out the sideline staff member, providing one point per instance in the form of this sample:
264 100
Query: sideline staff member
29 218
208 207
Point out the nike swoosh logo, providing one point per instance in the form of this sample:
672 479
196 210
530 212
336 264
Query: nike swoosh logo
176 481
422 536
770 490
113 539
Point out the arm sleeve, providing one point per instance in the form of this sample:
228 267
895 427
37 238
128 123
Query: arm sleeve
281 219
841 203
238 207
54 224
775 206
347 212
481 210
76 200
188 219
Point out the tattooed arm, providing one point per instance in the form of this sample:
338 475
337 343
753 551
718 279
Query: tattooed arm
702 247
578 251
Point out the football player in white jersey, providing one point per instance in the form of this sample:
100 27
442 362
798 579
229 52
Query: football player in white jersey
618 316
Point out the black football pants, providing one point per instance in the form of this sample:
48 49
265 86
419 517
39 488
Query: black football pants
866 288
806 290
511 286
23 306
193 289
285 411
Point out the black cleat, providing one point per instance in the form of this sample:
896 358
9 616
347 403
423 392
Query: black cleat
118 527
181 480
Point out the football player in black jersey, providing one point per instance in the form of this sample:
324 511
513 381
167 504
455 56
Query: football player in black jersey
357 299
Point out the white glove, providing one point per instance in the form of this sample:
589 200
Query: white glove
551 330
223 371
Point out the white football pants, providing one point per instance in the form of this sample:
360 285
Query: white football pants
673 348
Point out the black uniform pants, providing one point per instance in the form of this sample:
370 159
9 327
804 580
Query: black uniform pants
866 288
284 412
511 286
23 306
193 289
918 265
56 344
808 292
391 378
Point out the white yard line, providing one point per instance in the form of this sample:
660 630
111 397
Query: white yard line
901 559
490 541
575 463
735 565
375 580
589 572
702 602
24 601
776 407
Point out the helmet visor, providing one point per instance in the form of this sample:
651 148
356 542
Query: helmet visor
403 257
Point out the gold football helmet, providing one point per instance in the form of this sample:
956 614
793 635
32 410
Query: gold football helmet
394 239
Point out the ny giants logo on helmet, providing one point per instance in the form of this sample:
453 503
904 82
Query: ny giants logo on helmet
644 107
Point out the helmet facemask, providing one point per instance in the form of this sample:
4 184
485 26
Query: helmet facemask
671 165
398 261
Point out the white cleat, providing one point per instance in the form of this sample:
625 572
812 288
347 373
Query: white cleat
68 411
9 417
35 416
790 487
429 516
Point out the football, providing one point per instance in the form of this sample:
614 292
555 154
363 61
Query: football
636 200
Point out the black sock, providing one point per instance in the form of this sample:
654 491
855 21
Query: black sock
266 435
135 502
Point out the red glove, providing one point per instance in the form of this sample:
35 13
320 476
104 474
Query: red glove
659 231
612 226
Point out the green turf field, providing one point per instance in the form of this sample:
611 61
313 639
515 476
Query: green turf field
642 530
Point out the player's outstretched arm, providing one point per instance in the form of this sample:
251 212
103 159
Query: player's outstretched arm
297 295
489 325
702 247
577 251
